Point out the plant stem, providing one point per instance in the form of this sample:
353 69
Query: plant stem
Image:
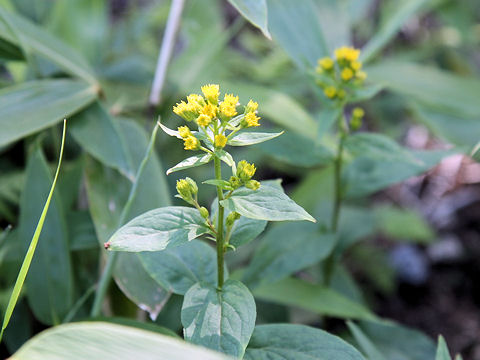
220 244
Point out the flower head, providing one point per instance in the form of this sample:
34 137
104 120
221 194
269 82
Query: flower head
211 92
220 141
347 53
184 131
330 92
346 74
186 111
210 110
252 106
204 120
191 143
326 63
245 171
251 119
187 189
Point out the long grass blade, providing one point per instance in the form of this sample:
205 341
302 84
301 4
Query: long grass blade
33 244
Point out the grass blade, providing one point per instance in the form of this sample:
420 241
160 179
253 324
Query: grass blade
33 244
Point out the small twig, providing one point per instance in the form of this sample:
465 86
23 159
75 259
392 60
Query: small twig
173 23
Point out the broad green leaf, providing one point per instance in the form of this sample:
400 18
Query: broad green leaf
107 194
27 261
156 229
226 158
295 26
179 268
442 350
286 249
290 149
327 118
246 230
364 342
216 182
398 342
440 90
403 224
299 342
36 105
101 340
82 231
99 134
251 138
221 320
403 11
267 203
23 33
192 161
50 280
312 297
254 11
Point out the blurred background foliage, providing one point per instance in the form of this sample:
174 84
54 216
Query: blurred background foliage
408 237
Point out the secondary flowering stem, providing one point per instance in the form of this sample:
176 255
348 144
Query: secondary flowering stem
221 211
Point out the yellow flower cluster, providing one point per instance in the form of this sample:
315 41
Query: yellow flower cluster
210 113
341 71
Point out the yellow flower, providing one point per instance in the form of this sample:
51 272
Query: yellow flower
227 110
326 63
230 99
211 92
196 99
252 184
220 140
330 92
252 106
361 75
358 112
204 120
210 110
191 143
356 65
184 110
245 171
187 188
184 131
347 53
251 119
346 74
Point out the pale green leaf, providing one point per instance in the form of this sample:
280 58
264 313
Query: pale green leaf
442 350
251 138
190 162
254 11
157 229
364 342
221 320
100 340
267 203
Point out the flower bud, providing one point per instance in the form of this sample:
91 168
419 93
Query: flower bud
204 212
235 182
252 184
245 171
187 189
231 218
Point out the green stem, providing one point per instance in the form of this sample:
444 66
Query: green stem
221 211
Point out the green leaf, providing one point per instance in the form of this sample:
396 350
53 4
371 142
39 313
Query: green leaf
254 11
442 350
286 249
27 261
190 162
251 138
32 38
403 224
97 132
299 342
82 340
179 268
36 105
312 297
50 282
156 229
403 11
295 26
221 320
267 203
364 342
440 90
398 342
23 33
225 185
245 230
226 158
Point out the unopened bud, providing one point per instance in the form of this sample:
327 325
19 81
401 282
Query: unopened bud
231 218
204 212
252 184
